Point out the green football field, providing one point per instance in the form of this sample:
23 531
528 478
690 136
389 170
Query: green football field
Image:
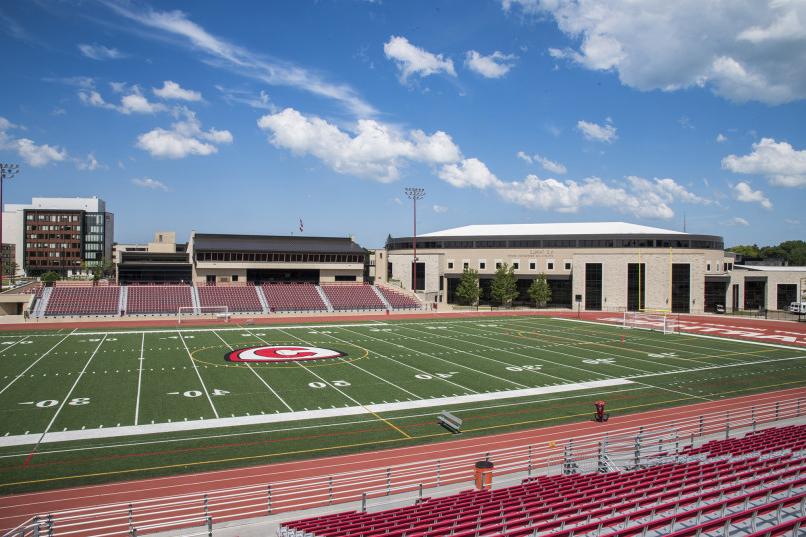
92 406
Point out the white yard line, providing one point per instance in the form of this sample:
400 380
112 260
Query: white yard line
390 383
22 338
15 379
198 374
404 364
312 372
691 334
528 357
139 380
177 426
643 342
66 398
543 349
261 379
431 356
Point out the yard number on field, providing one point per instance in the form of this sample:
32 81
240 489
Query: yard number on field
197 393
47 403
426 376
663 355
338 383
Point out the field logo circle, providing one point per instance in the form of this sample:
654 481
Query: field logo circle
281 353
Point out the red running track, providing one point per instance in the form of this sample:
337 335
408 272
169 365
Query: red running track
16 509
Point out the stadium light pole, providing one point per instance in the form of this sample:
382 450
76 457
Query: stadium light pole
414 194
7 171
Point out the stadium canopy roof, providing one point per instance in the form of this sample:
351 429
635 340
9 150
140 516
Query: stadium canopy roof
272 243
573 228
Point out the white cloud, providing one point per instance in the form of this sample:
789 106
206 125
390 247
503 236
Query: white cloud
598 133
185 138
172 90
551 166
148 182
412 60
744 192
372 149
259 101
100 52
439 209
133 103
639 197
494 65
779 162
137 104
90 163
743 49
737 221
468 172
546 164
243 61
721 138
792 221
36 155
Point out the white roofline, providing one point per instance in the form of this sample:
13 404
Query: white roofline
548 229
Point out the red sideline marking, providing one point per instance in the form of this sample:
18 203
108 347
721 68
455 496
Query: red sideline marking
15 509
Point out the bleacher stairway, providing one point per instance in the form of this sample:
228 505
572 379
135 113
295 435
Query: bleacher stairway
42 303
324 298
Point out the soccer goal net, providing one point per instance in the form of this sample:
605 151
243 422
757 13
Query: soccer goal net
660 322
203 312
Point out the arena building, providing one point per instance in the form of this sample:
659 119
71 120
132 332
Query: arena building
224 258
592 266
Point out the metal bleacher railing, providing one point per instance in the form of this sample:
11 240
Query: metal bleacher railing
196 513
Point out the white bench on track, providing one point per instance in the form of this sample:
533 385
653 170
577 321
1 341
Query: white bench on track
450 422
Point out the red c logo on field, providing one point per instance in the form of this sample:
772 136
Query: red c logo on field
281 353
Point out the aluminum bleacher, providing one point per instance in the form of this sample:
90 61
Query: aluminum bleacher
83 300
399 300
293 297
237 298
352 296
755 485
158 299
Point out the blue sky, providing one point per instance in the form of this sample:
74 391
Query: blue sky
246 117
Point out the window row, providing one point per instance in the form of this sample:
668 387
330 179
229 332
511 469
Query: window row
42 217
279 257
515 264
30 227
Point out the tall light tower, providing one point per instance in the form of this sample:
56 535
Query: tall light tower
414 193
7 171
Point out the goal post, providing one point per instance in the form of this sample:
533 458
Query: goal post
203 312
666 323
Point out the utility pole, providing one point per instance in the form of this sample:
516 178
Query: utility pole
414 194
7 171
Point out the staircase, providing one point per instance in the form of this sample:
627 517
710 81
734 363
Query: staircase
386 303
42 303
262 298
324 298
194 296
124 299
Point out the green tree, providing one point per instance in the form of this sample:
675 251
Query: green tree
504 288
745 250
49 277
467 292
539 291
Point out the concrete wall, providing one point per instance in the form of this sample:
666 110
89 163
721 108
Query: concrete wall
568 262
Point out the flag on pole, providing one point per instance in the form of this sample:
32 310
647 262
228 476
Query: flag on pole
301 226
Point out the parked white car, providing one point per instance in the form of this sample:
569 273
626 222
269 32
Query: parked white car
797 307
